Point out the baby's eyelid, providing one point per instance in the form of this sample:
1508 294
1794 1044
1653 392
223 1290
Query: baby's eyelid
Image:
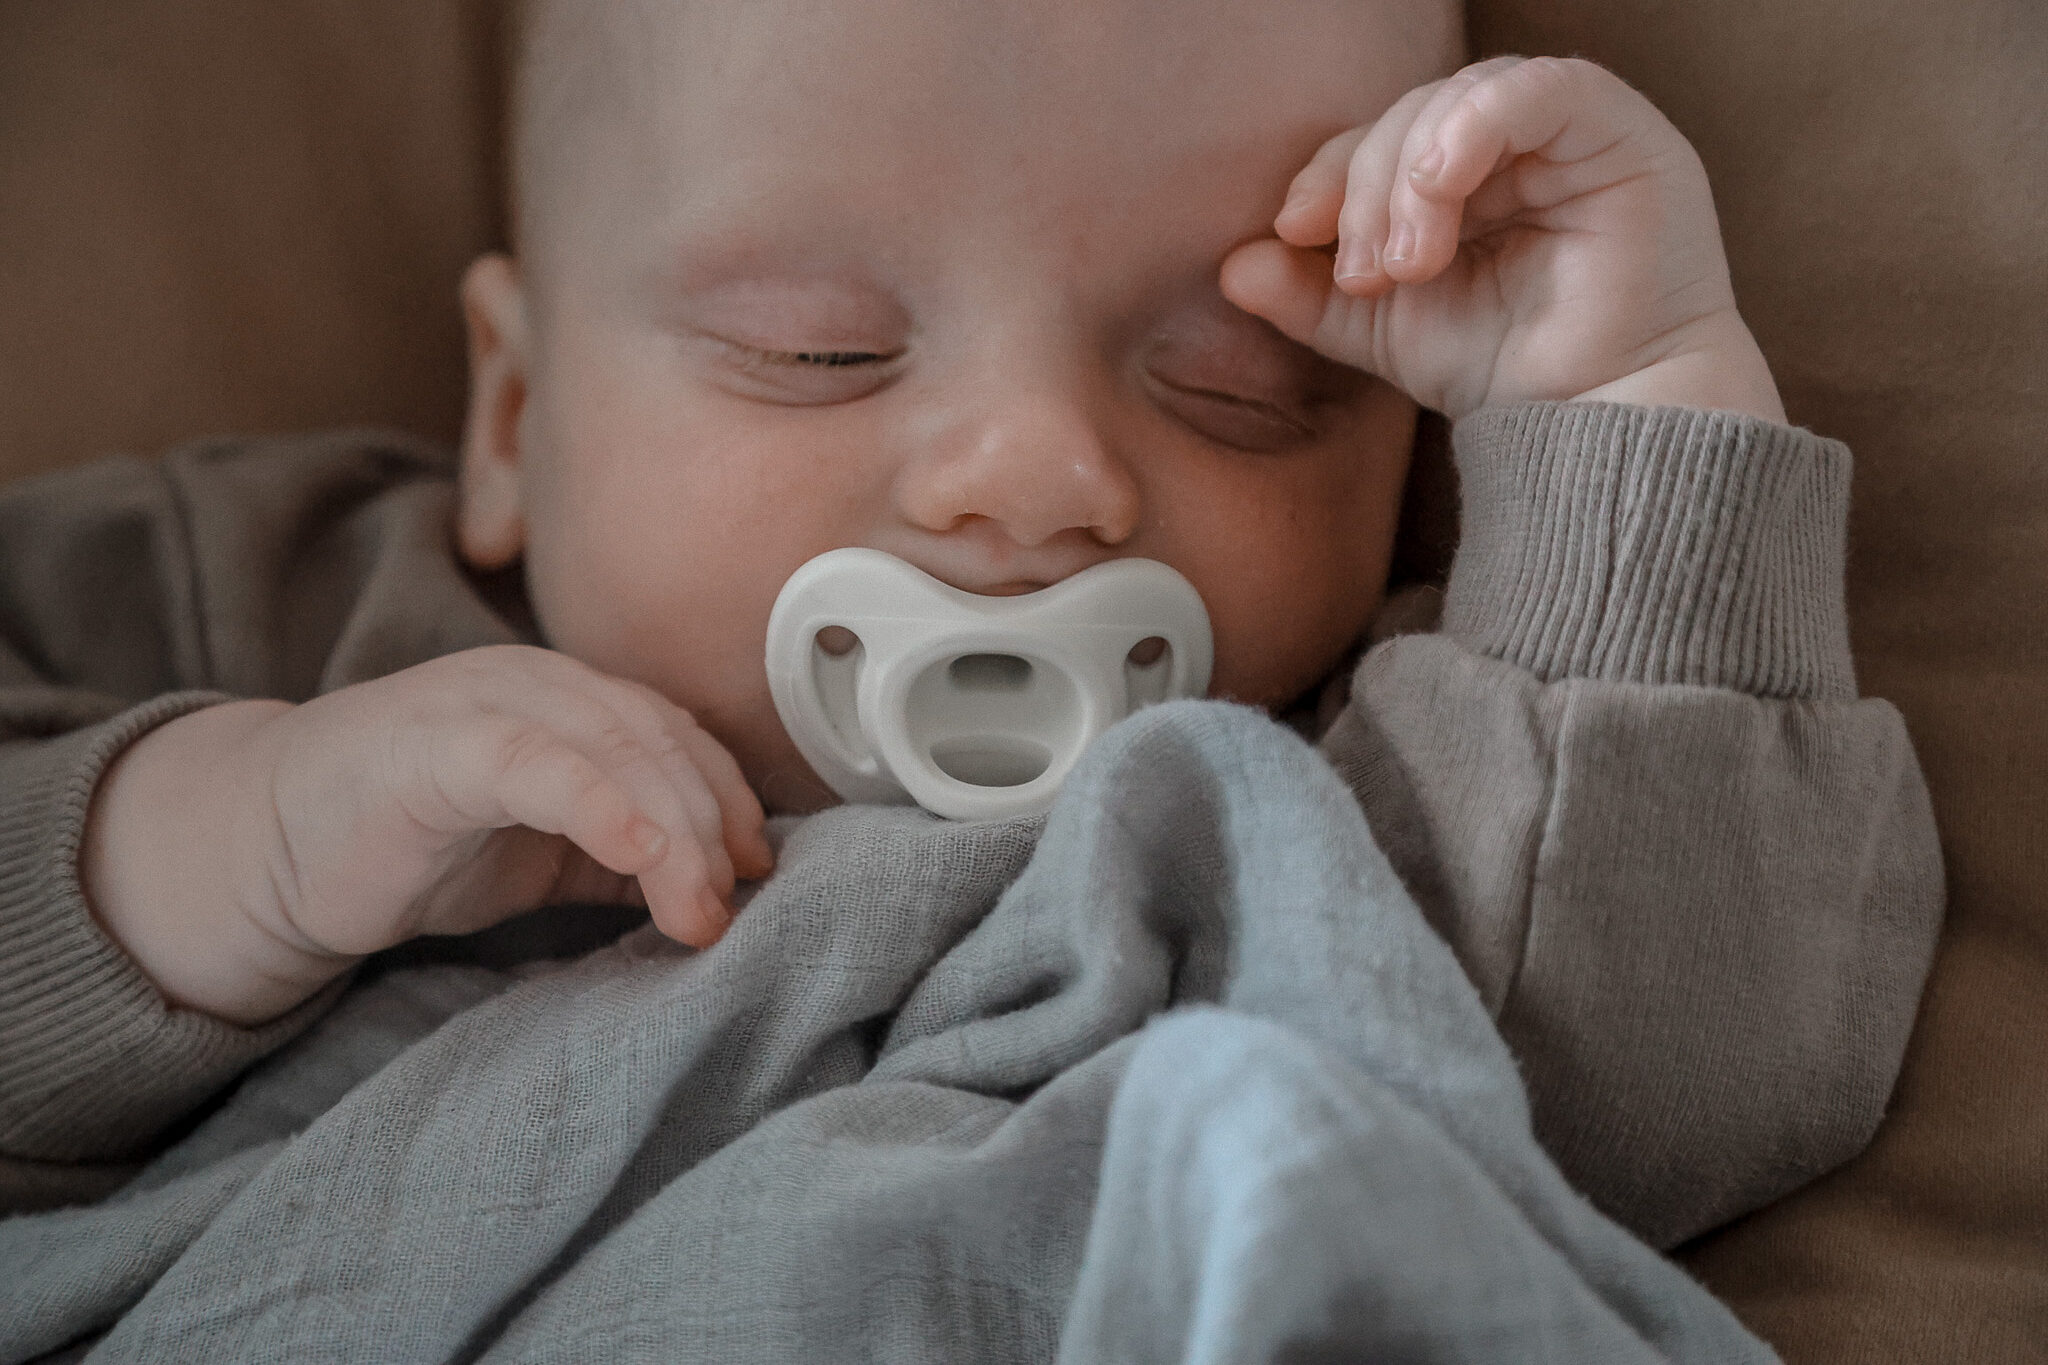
805 378
1273 411
814 359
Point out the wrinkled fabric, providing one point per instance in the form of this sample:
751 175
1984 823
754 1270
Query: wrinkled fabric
1184 1075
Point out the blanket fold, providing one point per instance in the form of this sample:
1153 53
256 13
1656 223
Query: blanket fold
1183 1076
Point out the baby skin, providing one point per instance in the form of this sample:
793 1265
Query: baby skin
1006 290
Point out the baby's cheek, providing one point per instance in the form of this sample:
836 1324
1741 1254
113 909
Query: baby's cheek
1271 651
1289 595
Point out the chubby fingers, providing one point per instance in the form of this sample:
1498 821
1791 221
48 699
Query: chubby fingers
1314 200
1395 197
1288 282
684 781
740 823
621 772
1587 128
1290 287
498 771
1389 233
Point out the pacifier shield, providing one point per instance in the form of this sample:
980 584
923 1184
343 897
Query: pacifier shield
899 688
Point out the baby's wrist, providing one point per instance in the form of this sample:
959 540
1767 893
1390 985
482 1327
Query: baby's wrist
175 850
1717 366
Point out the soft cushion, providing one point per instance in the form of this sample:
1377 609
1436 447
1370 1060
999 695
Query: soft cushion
237 216
1883 186
241 215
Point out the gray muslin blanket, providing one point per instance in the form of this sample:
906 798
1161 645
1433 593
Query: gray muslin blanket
1182 1077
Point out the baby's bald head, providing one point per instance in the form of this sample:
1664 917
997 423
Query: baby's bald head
562 65
580 67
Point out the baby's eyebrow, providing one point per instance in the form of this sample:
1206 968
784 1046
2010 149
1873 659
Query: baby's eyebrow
717 242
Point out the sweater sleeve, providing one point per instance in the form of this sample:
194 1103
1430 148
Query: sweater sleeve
93 1062
1694 877
132 593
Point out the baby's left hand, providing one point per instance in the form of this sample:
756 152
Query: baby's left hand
1526 229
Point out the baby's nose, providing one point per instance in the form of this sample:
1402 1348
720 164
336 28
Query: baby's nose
1034 464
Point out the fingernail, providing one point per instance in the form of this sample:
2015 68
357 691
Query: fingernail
716 916
1295 199
648 838
1428 165
1356 260
1403 244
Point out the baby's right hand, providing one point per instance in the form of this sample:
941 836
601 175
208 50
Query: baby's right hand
247 854
1524 230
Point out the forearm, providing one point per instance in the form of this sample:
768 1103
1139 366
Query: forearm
183 872
94 1063
258 569
1701 919
1695 879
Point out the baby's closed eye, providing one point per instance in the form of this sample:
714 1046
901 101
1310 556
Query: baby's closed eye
797 341
828 359
804 377
1239 383
1236 420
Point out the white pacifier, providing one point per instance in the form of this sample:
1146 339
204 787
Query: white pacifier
973 707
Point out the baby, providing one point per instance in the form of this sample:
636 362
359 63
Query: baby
989 299
1009 290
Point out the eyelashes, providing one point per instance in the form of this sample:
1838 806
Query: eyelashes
803 378
823 360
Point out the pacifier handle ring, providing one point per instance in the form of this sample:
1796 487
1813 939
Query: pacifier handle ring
886 721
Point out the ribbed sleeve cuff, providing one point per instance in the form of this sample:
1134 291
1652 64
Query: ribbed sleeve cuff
1654 545
94 1064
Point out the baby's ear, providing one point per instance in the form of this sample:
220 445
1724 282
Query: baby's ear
491 518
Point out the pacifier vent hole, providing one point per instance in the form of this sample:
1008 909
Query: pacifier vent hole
837 641
1148 672
836 658
991 673
992 761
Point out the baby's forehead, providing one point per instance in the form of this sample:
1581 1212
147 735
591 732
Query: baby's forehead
660 95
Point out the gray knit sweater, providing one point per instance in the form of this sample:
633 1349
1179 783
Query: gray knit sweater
1695 879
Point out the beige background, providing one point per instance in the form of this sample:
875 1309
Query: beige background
237 215
247 215
1882 173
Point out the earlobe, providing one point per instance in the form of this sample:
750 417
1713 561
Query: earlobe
491 520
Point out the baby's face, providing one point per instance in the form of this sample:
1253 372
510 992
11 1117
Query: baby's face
937 277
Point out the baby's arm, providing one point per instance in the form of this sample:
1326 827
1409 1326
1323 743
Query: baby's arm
246 855
133 595
1696 879
1693 876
